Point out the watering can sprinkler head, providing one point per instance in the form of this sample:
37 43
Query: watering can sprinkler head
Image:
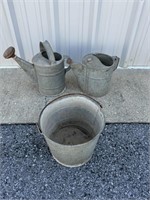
9 53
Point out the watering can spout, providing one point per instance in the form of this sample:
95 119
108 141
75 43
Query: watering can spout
26 66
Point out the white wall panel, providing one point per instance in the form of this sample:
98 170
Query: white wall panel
77 27
7 34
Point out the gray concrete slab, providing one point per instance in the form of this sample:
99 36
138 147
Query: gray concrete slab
127 101
20 100
129 97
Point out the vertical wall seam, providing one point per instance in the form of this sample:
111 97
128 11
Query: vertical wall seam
140 43
69 25
65 30
80 30
36 15
2 7
82 26
16 27
120 35
41 20
49 24
131 33
98 22
90 26
107 27
147 52
124 49
28 28
56 18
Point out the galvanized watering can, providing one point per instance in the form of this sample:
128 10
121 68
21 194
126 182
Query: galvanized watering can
48 68
95 72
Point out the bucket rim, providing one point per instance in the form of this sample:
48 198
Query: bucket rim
68 95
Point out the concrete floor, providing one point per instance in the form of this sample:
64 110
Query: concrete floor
127 101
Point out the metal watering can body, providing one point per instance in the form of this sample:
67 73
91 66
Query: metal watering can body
48 68
95 72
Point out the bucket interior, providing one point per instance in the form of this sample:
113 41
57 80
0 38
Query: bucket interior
71 120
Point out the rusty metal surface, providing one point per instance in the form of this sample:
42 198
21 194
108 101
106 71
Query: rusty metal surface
9 53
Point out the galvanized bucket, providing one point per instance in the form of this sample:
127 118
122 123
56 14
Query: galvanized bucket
71 125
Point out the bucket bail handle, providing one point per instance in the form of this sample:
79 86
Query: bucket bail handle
45 46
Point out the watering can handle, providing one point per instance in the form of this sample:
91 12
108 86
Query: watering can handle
45 46
67 63
116 61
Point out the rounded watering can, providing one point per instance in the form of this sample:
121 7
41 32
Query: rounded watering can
48 68
95 72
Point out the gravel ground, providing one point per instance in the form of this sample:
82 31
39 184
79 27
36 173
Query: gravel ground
118 170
